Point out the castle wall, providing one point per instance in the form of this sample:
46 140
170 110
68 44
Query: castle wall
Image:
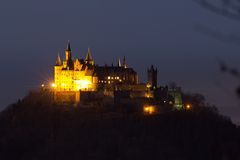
66 97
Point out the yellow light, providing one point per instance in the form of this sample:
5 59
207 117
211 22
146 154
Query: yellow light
148 95
53 85
82 84
148 85
42 85
149 109
188 106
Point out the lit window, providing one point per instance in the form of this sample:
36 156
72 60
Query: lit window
109 77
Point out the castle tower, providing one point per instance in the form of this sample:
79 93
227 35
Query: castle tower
57 70
89 59
152 77
119 63
69 61
58 61
68 52
124 62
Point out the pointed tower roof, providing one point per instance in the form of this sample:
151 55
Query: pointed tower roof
68 46
124 62
119 63
58 61
89 56
89 59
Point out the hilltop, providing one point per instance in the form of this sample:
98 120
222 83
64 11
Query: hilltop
35 128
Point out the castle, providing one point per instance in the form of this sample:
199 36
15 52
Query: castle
73 77
83 75
74 74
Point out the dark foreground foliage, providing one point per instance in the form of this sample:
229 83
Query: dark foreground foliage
48 131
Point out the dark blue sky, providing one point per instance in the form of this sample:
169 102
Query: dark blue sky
145 31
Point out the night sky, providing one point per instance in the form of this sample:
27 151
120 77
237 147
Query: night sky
162 33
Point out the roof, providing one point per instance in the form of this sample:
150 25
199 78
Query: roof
113 70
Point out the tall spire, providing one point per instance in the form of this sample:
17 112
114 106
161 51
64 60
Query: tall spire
68 53
68 46
88 56
58 61
119 63
89 59
124 62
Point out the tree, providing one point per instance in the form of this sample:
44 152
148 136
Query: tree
229 9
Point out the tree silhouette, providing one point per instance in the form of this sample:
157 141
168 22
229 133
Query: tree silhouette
229 9
33 128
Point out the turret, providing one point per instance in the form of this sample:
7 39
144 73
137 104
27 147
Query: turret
119 63
69 60
68 52
124 62
58 61
57 69
89 59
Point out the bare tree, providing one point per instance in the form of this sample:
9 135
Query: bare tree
229 9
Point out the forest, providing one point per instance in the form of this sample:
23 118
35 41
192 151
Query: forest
36 128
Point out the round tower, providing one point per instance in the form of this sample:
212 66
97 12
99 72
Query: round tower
57 71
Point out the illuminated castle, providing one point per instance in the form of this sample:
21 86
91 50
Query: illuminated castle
75 78
74 74
83 75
